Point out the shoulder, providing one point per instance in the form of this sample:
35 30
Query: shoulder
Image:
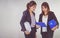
51 12
40 15
25 12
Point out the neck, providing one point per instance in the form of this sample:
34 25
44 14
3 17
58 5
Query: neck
45 13
30 12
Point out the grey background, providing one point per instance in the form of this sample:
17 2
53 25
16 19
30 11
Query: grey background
11 13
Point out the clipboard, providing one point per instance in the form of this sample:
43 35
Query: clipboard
41 24
27 26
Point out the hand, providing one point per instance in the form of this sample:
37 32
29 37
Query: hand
53 29
37 26
27 32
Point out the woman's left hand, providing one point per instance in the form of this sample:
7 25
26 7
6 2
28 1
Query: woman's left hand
37 26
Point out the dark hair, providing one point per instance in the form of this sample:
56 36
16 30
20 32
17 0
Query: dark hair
31 3
46 5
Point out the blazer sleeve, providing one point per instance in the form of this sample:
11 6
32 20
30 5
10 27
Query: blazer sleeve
22 22
40 18
54 17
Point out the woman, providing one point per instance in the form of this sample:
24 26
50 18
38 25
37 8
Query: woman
45 17
29 16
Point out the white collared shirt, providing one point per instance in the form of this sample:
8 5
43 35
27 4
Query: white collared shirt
44 20
32 20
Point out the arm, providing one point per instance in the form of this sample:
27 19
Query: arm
37 26
40 18
22 22
54 17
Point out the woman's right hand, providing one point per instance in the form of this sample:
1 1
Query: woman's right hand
53 29
27 32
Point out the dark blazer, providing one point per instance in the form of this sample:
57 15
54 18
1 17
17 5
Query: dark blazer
51 16
26 17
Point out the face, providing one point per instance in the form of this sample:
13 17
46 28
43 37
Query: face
44 9
32 8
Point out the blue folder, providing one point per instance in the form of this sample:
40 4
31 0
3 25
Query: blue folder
52 23
41 24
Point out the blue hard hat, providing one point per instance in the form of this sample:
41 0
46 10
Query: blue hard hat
52 23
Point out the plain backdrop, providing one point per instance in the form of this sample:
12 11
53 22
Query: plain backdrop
11 12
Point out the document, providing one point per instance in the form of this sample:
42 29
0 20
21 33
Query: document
27 26
41 24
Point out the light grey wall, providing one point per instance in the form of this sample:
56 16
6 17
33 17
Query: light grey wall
11 13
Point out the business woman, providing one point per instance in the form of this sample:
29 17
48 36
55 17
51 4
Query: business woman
45 16
29 16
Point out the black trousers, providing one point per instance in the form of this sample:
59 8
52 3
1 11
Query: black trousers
47 35
32 34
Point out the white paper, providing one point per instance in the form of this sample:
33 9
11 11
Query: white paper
27 26
44 29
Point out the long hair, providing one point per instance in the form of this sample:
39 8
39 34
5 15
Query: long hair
46 5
